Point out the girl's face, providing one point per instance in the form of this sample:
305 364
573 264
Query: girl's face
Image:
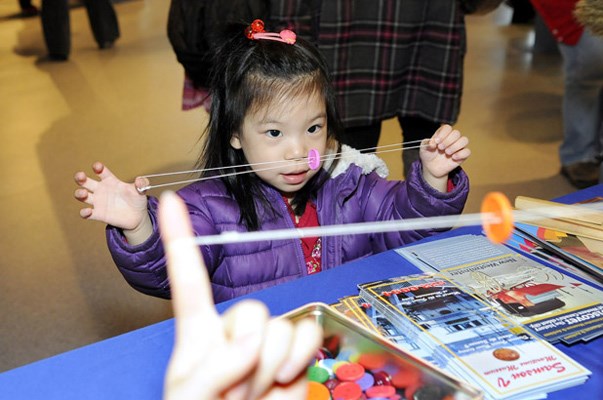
282 134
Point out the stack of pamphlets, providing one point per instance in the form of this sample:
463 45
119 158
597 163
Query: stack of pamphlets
357 309
550 303
571 240
577 255
470 339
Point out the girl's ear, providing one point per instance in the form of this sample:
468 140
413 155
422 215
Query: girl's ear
235 142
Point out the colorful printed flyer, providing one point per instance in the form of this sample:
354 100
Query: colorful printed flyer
550 303
471 338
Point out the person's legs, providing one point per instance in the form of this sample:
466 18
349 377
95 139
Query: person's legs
55 25
28 9
103 22
413 129
581 147
362 137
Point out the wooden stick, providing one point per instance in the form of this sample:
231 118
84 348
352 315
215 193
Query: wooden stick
576 220
581 214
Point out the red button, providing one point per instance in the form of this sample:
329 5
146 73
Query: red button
406 377
382 378
332 343
380 391
350 372
347 391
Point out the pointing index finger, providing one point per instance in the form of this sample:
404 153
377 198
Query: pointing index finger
191 292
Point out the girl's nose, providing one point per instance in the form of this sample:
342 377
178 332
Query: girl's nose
296 150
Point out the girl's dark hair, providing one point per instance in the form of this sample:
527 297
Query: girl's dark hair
246 75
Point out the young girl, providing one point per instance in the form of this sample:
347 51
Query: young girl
272 102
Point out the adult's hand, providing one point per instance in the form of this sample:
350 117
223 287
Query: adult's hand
242 355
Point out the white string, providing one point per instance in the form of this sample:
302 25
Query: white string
447 221
325 157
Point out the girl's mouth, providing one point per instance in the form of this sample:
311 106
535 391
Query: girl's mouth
295 179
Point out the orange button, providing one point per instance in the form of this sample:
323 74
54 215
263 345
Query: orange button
317 391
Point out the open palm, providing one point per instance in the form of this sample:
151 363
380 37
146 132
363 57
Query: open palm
113 201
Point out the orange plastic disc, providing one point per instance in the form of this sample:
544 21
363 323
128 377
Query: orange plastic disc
317 391
497 206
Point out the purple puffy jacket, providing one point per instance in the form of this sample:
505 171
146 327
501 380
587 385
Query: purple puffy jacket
352 194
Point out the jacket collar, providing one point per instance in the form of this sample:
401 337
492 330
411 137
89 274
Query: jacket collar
366 161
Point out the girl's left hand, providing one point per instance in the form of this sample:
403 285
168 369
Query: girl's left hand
443 152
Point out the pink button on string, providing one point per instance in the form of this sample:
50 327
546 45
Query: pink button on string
313 159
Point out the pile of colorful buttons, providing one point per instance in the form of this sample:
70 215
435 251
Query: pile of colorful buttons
346 374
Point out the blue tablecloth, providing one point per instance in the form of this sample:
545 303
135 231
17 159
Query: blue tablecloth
132 365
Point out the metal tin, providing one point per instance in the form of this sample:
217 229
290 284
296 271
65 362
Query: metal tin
344 332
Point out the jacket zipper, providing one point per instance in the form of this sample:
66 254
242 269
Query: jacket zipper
301 261
333 241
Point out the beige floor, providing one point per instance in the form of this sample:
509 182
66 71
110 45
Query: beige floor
59 289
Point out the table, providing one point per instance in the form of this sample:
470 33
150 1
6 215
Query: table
132 365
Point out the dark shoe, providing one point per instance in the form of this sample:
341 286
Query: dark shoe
106 45
57 57
581 174
29 11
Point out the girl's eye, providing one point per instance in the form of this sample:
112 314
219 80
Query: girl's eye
314 128
273 133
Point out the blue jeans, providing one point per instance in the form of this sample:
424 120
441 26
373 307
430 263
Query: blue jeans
582 100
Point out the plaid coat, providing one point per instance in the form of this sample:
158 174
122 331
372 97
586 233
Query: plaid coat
387 57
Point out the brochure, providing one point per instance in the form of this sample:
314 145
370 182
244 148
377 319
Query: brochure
580 256
552 304
471 339
359 310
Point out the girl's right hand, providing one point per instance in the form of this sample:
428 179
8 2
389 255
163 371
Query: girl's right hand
113 201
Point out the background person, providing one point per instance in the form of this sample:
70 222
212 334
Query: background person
582 108
57 28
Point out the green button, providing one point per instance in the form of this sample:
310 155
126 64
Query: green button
317 374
